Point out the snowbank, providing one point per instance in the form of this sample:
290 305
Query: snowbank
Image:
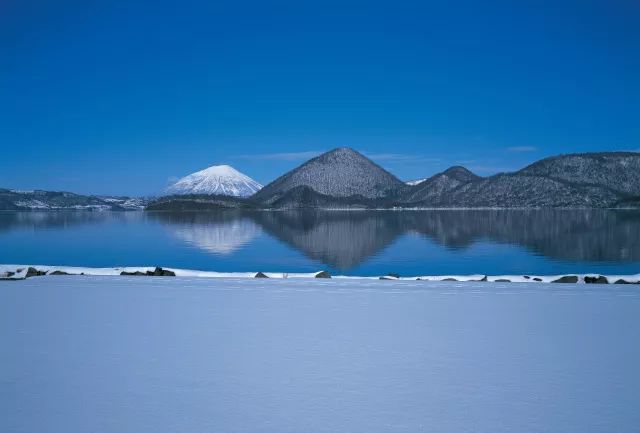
18 272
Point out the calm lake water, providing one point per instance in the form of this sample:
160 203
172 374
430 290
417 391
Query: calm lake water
353 243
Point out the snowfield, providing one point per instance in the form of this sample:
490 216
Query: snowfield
133 355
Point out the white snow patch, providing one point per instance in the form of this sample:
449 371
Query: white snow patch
416 181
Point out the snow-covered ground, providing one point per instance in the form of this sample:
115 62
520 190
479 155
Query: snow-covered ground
130 354
21 272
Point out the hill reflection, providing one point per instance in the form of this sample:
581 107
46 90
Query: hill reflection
214 232
344 240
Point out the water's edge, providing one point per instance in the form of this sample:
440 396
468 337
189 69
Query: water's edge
21 272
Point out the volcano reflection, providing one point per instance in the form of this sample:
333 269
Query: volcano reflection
341 240
213 232
344 240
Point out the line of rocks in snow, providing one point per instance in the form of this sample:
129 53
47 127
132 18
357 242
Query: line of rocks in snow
20 272
571 278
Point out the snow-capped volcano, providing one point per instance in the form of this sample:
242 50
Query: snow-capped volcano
217 179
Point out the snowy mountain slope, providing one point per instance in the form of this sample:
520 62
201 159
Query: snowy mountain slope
589 180
515 191
19 200
217 179
440 184
618 171
341 172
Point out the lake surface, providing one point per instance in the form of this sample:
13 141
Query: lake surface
410 243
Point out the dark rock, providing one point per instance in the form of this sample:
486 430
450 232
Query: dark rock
33 272
484 279
537 279
566 279
449 279
621 281
260 275
323 274
136 273
157 272
596 280
527 277
58 273
502 280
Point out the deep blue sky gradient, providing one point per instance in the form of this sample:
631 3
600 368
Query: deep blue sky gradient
119 97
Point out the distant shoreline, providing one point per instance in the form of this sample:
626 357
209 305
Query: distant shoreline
21 272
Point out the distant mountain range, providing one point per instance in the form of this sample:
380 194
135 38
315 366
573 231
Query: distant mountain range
345 179
216 180
597 180
18 200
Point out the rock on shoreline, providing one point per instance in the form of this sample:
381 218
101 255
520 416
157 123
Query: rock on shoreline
21 272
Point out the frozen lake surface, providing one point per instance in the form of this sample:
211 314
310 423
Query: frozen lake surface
188 355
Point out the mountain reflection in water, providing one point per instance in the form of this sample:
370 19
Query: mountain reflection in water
342 240
218 233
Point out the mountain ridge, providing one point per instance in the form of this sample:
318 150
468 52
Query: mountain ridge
345 179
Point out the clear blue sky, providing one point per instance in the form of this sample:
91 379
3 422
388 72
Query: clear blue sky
118 97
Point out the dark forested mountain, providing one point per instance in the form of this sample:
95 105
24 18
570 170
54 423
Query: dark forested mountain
200 202
578 180
440 184
50 200
341 172
515 191
618 171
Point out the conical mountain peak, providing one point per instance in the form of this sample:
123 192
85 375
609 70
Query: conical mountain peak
341 172
461 173
217 179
